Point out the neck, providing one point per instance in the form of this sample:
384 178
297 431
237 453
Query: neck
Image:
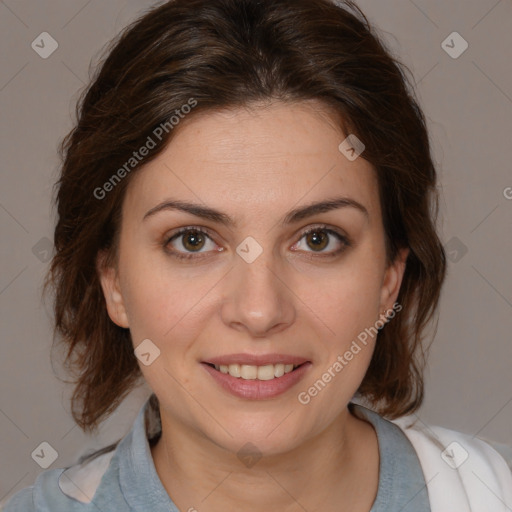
337 469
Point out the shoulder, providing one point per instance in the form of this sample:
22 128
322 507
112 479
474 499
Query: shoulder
99 481
465 472
65 489
21 501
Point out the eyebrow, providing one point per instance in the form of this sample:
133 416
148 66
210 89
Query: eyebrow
291 217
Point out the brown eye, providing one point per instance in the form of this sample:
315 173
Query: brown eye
193 240
317 240
189 243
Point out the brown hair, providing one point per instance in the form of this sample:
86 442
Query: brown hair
232 53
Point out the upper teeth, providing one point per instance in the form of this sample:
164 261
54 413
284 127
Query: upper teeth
250 372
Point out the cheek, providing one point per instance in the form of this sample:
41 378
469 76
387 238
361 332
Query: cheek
162 303
347 299
348 305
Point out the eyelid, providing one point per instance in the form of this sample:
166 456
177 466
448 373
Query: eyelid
184 229
327 228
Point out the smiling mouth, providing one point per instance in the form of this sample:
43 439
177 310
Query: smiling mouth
252 372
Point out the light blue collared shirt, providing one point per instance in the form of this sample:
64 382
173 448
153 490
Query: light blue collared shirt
130 483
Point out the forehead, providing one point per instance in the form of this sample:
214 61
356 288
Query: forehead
244 160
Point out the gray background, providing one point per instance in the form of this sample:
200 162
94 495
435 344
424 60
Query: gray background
468 103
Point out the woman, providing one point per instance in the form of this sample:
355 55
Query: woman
246 221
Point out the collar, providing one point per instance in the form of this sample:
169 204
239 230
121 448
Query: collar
129 473
139 481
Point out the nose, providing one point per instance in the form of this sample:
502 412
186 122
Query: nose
257 298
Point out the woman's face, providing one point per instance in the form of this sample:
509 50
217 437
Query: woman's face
244 283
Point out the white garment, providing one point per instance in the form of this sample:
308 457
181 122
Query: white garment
462 473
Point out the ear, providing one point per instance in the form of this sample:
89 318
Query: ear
393 280
109 280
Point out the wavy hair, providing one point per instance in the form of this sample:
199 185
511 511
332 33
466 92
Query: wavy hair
228 54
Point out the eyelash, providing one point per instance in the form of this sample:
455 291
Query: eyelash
321 227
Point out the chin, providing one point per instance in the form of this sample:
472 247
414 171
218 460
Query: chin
258 438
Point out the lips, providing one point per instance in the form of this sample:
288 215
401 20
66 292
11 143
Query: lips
257 376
